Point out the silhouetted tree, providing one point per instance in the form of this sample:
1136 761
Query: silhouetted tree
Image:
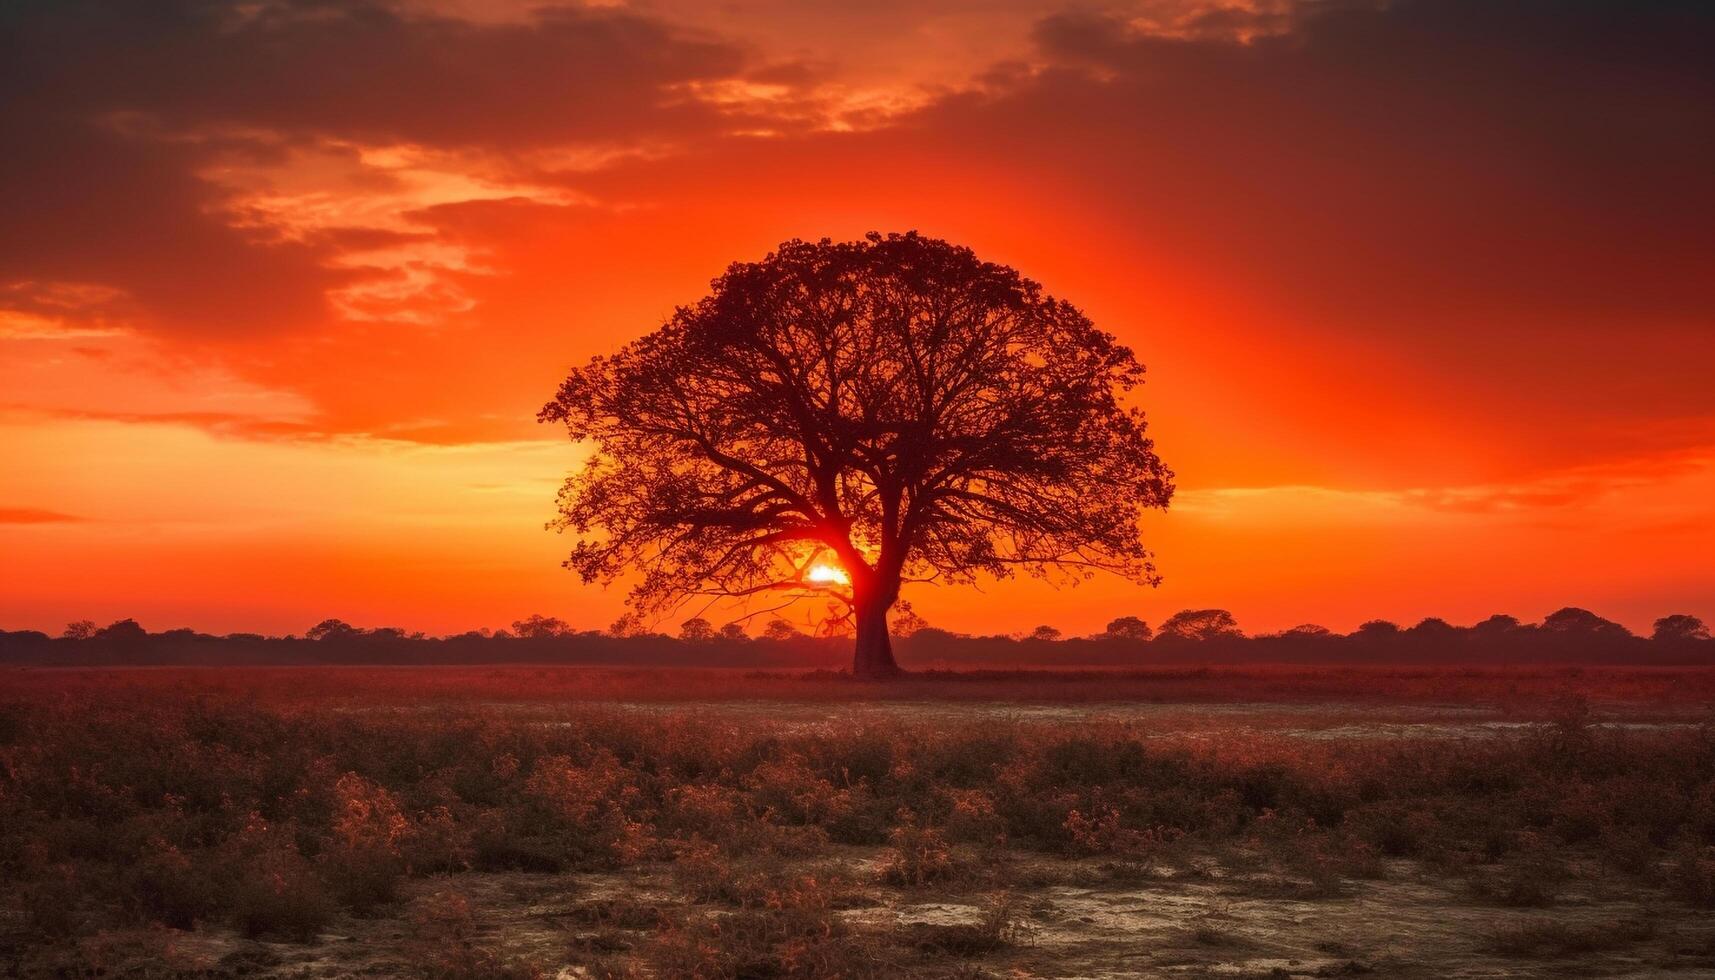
332 629
1128 628
1200 624
1377 629
539 627
122 631
696 630
1498 625
1044 634
732 632
1679 628
895 406
83 629
1308 631
1574 623
780 629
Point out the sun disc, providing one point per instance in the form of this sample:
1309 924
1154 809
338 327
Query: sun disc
824 574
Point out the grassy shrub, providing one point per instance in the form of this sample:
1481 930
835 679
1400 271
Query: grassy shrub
590 806
917 854
705 873
364 859
270 888
788 931
973 818
170 887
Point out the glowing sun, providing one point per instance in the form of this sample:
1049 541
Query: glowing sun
825 574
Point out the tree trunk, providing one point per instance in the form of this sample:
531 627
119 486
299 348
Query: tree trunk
873 657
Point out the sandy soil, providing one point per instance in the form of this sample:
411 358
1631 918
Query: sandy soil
1072 919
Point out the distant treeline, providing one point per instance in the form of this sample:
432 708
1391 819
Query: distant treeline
1198 636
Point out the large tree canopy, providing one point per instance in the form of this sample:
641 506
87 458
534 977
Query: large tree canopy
894 406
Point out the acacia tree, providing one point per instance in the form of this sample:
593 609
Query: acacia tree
894 408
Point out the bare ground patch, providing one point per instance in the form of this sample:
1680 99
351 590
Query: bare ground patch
1053 918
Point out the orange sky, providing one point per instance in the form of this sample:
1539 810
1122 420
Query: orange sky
1426 289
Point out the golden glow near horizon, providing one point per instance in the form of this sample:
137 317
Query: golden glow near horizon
272 342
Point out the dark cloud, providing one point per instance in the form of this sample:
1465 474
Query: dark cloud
1500 207
362 70
1509 201
1428 158
1492 220
84 203
116 112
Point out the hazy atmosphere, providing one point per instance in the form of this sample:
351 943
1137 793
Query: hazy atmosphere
1423 288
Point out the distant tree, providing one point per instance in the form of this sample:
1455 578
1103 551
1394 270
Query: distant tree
540 627
1129 628
1679 628
906 621
332 629
780 629
124 630
1200 625
1308 631
1572 622
1498 625
1044 634
696 630
894 406
732 632
390 633
1377 629
83 629
1433 628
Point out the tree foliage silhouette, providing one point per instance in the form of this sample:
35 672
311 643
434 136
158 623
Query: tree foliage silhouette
1128 628
895 406
1201 625
1679 628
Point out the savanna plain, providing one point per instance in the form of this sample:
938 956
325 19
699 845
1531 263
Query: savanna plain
456 822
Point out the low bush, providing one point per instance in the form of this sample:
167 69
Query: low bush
917 854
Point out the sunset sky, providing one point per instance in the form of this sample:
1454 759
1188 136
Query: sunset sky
1426 289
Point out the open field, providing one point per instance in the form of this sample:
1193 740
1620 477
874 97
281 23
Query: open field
527 821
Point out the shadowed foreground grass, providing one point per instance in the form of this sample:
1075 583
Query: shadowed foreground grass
136 815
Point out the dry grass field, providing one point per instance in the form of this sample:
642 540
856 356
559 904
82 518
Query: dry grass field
527 821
